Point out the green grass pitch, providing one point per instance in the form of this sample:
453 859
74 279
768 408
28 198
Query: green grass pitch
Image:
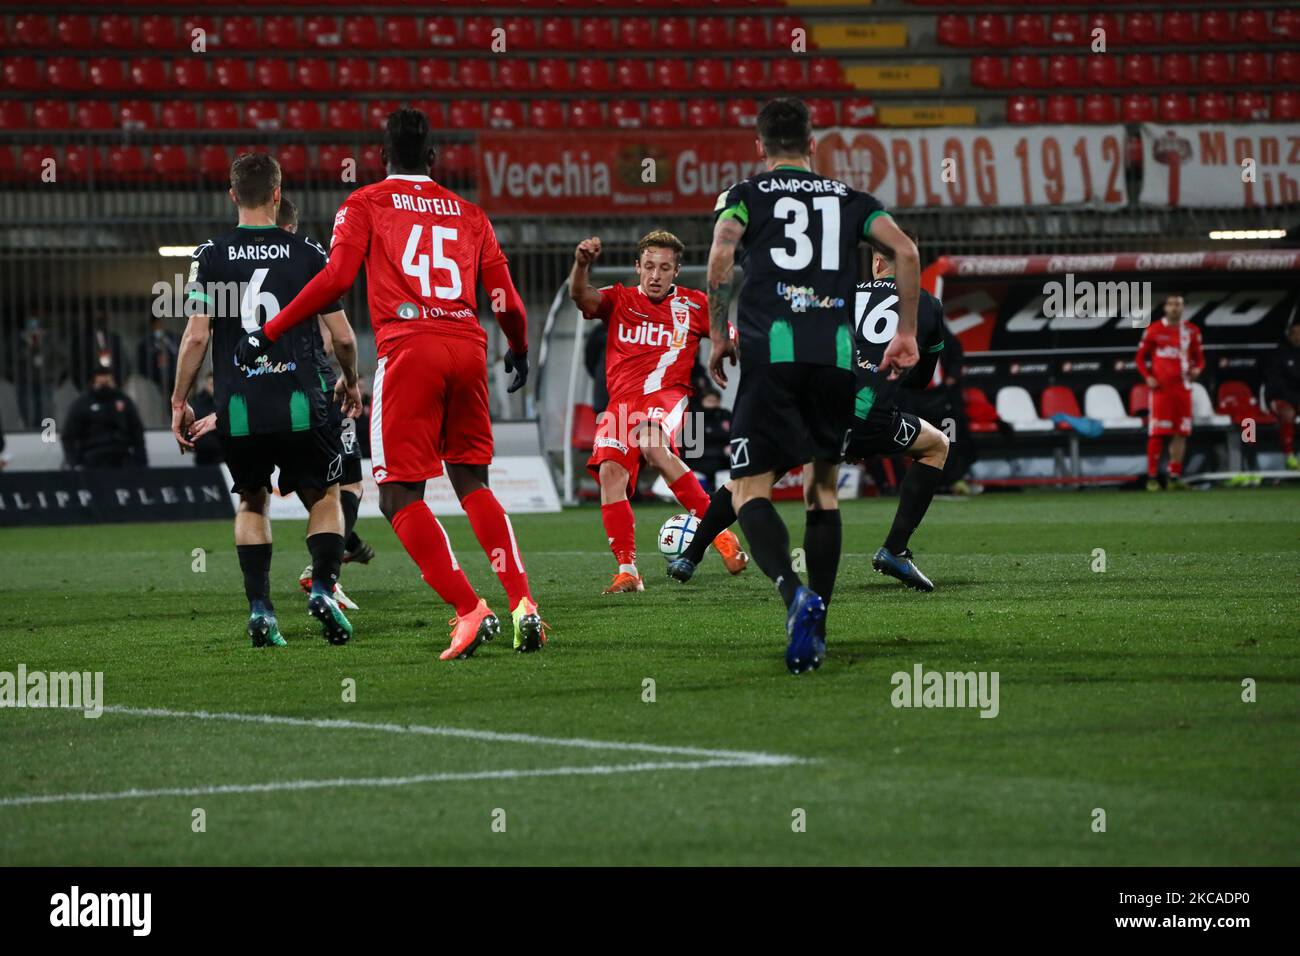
1119 690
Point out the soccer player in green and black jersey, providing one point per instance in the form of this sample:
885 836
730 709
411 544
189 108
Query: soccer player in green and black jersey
273 412
800 232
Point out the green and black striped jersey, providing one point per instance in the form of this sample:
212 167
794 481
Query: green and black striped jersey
876 309
800 249
241 279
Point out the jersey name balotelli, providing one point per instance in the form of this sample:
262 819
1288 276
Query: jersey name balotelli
651 345
1170 351
424 248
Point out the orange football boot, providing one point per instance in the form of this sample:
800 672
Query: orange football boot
624 582
477 627
733 556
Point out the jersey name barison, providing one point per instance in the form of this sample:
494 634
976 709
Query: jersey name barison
260 251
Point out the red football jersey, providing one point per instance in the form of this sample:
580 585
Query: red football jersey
424 249
651 345
1169 351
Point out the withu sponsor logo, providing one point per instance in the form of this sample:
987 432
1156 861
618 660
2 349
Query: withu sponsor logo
655 336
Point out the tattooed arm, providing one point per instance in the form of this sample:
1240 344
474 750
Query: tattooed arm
722 265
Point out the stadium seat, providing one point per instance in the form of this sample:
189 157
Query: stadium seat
1286 106
1216 27
399 33
505 114
293 162
711 33
858 111
980 413
711 75
1286 25
749 33
636 33
824 113
159 33
1212 107
465 114
991 30
238 33
321 32
825 74
782 31
1102 69
82 161
1066 29
1140 29
703 114
1214 69
190 75
180 114
1110 25
1250 107
375 113
626 114
232 75
1064 69
1024 109
743 112
1139 69
953 29
664 114
553 74
352 74
1177 28
262 114
546 114
271 75
434 110
61 73
1137 108
1062 108
1016 408
194 26
1251 69
1139 399
789 74
170 163
434 73
1174 108
302 115
1286 67
1203 412
596 33
514 75
1176 70
49 114
126 163
557 34
748 73
74 32
988 72
586 114
1252 27
221 115
1057 399
360 33
344 114
1027 29
93 114
32 30
330 160
1103 403
440 31
107 74
280 33
214 163
1238 402
594 75
20 73
521 34
148 75
476 33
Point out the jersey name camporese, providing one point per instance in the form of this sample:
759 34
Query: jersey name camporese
800 248
241 279
424 248
874 328
651 345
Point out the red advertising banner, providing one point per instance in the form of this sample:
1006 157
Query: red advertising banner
619 171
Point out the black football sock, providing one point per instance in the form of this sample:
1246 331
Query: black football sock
255 562
821 546
351 503
718 518
914 497
769 542
326 557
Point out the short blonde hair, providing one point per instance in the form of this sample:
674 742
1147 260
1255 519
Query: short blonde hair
660 239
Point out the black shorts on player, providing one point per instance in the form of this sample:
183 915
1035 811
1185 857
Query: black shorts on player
311 459
883 432
788 414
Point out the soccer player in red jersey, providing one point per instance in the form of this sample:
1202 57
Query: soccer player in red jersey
426 250
655 329
1170 359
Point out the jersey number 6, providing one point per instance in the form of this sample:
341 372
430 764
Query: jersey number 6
879 325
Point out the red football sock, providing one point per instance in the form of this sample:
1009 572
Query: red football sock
1286 432
620 527
1175 468
492 527
691 494
1154 446
425 540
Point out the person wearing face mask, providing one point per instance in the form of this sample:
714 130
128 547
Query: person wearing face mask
103 428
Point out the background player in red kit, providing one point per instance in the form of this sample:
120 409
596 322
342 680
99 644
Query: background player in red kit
655 329
1170 359
425 251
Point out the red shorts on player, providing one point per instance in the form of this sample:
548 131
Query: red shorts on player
620 427
1171 411
430 406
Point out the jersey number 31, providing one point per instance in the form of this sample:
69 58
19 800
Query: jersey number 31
795 213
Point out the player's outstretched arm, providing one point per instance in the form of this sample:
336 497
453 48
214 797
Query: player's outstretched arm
722 274
189 358
347 389
508 308
902 352
583 295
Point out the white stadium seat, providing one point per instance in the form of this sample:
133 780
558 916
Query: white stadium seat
1017 409
1103 403
1203 409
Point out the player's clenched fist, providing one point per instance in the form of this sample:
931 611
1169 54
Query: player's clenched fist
587 251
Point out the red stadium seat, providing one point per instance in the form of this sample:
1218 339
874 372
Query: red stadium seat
1251 69
392 73
434 73
239 33
584 428
521 34
1062 109
1027 71
20 73
8 168
980 413
271 75
1211 107
126 163
1174 108
170 163
825 73
749 33
51 114
505 114
190 75
1177 28
711 75
456 160
232 75
991 30
586 114
557 34
262 114
73 31
703 114
596 33
1064 69
293 162
1140 29
782 34
1237 401
514 75
360 33
1176 70
61 72
595 75
376 113
626 114
788 74
553 74
823 112
1250 106
280 33
314 75
302 115
32 30
440 31
94 114
674 34
1252 27
220 114
353 74
148 74
330 161
1139 69
1216 27
664 114
31 159
400 33
669 75
1099 108
546 114
741 112
321 32
476 33
1286 67
158 33
1137 108
1139 399
1102 69
1027 29
82 161
1066 29
1286 105
214 163
107 74
1286 25
12 115
988 72
953 29
748 73
859 111
634 75
1057 399
636 33
136 114
465 114
193 26
1024 109
344 114
711 33
1109 24
179 114
1214 69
